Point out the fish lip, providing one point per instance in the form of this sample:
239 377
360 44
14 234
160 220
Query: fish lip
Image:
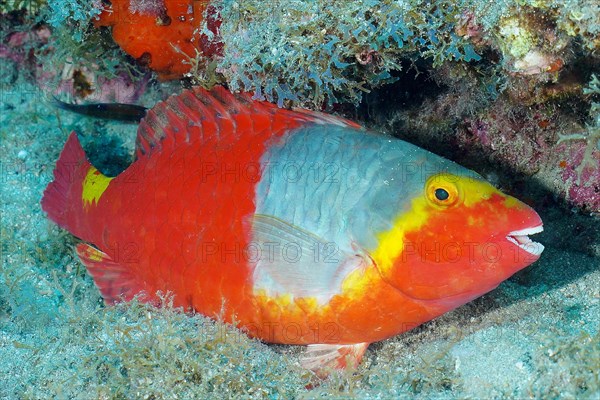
521 239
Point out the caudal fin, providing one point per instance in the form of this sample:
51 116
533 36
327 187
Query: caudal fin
62 199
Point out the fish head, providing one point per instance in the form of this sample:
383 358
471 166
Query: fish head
459 238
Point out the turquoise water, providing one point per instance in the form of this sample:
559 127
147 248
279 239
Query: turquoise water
536 336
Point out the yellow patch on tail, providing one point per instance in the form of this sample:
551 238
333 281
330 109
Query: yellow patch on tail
94 185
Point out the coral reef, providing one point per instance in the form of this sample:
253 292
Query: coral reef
318 54
312 52
74 15
65 67
581 161
31 6
160 33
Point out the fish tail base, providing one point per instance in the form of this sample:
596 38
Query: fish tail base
62 199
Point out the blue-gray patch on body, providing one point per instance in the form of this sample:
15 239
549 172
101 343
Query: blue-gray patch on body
343 185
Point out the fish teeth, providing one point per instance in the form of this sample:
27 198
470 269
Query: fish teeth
521 239
527 231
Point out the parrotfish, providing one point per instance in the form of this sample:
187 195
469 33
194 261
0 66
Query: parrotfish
298 227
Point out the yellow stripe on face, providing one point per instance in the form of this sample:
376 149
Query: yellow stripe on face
475 191
391 242
94 185
461 191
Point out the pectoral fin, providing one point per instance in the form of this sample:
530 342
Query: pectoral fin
299 263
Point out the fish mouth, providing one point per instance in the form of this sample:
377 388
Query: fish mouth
521 239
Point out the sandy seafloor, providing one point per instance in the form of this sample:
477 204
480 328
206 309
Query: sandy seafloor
536 336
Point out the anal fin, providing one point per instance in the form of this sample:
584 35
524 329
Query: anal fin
323 359
115 281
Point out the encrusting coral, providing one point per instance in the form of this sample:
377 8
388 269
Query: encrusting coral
160 33
312 52
316 53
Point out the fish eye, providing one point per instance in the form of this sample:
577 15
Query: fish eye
442 190
441 194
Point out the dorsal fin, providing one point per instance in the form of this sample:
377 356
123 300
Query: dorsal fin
216 113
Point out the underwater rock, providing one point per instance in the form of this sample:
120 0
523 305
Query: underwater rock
20 46
581 171
33 50
531 45
83 83
532 143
